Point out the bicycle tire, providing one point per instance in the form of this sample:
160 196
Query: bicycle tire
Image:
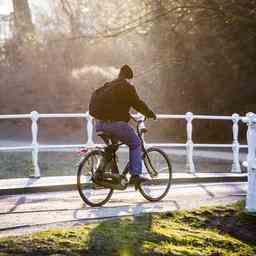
90 160
144 189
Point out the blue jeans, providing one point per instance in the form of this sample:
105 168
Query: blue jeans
124 132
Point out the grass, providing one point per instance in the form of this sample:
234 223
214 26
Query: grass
216 231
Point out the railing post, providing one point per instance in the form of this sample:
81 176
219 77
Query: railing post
35 150
89 128
235 147
251 160
190 144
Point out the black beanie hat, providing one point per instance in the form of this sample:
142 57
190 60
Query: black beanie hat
126 72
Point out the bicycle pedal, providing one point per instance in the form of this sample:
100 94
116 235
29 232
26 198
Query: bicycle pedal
112 176
121 184
96 186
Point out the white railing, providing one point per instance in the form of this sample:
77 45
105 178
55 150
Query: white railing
250 119
190 145
35 147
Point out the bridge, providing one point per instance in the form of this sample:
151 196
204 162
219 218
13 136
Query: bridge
35 147
203 185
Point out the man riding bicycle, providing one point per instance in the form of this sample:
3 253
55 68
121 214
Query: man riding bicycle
110 105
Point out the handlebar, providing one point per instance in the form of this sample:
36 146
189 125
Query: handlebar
140 119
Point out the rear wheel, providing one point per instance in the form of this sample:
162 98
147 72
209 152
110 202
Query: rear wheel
157 168
91 193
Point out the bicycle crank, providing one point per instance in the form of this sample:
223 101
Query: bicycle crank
112 181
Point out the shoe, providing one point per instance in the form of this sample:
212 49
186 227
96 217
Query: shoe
136 180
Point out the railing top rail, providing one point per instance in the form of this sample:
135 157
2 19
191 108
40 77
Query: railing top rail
83 115
167 116
63 115
15 116
212 117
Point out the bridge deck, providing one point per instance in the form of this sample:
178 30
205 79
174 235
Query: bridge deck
58 183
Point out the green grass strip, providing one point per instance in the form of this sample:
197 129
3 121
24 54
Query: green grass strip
217 231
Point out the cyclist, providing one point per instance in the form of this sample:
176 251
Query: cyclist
113 117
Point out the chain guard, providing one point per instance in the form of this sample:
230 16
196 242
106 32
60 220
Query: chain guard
113 181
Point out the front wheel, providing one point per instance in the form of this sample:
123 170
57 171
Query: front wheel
157 168
91 193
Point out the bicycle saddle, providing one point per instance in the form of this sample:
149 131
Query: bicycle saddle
108 139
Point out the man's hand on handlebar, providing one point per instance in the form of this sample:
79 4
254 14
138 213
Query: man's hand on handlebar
152 115
141 118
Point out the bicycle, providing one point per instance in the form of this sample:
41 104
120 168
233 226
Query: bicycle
98 173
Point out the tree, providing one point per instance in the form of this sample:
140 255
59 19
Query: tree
23 21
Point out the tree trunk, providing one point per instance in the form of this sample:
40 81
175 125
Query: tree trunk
22 18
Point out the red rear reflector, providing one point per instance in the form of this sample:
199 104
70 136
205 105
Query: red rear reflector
83 151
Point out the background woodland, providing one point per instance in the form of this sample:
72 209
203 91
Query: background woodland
187 55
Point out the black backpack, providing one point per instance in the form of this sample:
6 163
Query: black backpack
101 102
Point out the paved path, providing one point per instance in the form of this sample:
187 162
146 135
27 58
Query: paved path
61 183
32 212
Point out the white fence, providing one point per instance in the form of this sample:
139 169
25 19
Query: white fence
189 145
250 119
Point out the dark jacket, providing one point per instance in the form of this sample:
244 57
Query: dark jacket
123 96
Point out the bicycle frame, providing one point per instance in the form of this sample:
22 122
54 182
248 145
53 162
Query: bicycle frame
97 168
115 147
